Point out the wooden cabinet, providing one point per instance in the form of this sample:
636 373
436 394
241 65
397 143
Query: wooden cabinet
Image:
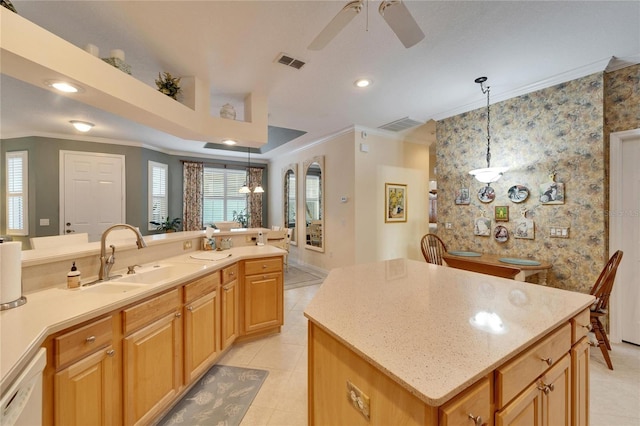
263 295
580 383
86 383
474 407
546 402
152 356
230 301
201 325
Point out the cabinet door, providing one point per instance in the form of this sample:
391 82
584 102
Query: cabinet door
201 335
263 301
580 383
557 400
152 368
473 407
230 304
85 392
524 410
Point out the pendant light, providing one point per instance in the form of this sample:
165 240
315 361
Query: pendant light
488 174
246 188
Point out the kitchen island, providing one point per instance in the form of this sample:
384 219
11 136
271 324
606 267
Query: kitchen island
406 342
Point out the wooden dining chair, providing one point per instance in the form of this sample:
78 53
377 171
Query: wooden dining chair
433 248
602 290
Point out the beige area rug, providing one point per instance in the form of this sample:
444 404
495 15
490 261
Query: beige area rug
298 276
221 397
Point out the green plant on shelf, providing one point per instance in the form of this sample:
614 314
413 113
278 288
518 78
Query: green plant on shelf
167 225
241 217
169 85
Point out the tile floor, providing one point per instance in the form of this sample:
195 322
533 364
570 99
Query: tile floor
282 400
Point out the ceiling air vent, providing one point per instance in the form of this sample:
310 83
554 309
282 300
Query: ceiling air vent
402 124
289 61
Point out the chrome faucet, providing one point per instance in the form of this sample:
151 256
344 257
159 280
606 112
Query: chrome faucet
106 263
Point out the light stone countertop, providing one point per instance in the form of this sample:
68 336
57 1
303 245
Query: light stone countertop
24 329
414 321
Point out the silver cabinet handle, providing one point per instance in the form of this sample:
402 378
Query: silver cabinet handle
90 339
178 314
190 308
549 361
588 326
111 352
477 420
264 266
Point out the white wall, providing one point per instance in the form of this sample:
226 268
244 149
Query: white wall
355 230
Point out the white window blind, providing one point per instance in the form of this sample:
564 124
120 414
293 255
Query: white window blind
17 193
158 192
220 196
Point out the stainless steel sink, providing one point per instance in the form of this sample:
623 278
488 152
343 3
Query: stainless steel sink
112 288
159 273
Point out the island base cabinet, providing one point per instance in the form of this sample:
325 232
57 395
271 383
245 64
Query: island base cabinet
152 368
230 301
546 402
263 296
201 335
85 392
332 366
473 407
580 382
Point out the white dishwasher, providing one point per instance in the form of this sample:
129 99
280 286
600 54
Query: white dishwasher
21 404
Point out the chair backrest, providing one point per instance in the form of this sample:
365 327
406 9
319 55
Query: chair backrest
279 238
433 248
55 241
604 284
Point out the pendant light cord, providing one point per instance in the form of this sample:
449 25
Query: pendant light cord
488 130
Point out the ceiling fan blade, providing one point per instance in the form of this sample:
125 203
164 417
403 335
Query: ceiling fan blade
398 17
336 25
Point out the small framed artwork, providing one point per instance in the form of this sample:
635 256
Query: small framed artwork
486 194
552 193
395 202
462 197
524 228
501 214
482 226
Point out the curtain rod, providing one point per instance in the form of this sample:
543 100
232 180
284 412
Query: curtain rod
225 165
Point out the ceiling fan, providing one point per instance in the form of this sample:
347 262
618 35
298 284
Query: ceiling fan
394 12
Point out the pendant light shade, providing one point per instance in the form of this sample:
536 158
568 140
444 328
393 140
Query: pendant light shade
246 188
488 174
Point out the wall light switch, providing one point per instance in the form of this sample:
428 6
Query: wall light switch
44 222
448 225
559 232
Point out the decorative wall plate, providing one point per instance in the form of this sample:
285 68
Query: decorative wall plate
518 193
486 194
500 234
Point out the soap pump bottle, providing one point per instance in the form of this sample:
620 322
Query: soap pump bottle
73 277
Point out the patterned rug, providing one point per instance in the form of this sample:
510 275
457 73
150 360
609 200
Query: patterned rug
221 397
296 277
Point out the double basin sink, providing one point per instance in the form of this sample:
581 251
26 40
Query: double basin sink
144 277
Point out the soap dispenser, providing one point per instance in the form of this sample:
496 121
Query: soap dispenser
73 277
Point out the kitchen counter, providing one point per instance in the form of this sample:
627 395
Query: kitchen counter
47 311
418 323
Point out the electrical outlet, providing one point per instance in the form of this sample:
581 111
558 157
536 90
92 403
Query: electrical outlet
358 399
186 245
448 225
559 232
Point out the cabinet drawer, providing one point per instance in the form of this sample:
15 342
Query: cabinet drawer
580 326
475 402
82 341
271 264
201 286
229 273
139 315
517 374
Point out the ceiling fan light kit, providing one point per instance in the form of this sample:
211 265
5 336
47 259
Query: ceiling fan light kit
394 12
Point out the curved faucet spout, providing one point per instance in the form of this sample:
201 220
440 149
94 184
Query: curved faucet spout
107 263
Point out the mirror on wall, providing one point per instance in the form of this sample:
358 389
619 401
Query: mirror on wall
289 192
314 203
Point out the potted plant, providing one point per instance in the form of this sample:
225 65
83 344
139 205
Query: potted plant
167 225
169 85
241 217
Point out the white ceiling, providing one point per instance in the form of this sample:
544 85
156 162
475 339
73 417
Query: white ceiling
232 45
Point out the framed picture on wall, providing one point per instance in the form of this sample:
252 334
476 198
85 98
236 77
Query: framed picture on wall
501 214
462 197
395 202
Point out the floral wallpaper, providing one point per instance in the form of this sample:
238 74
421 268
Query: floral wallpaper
555 130
622 99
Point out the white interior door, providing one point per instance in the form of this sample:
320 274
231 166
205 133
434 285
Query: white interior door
92 192
625 235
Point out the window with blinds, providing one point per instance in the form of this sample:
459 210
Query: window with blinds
220 196
158 192
17 192
313 197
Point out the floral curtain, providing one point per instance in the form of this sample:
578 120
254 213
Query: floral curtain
254 200
192 196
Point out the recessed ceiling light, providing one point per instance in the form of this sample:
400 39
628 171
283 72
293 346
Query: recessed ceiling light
82 126
63 86
362 82
229 142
